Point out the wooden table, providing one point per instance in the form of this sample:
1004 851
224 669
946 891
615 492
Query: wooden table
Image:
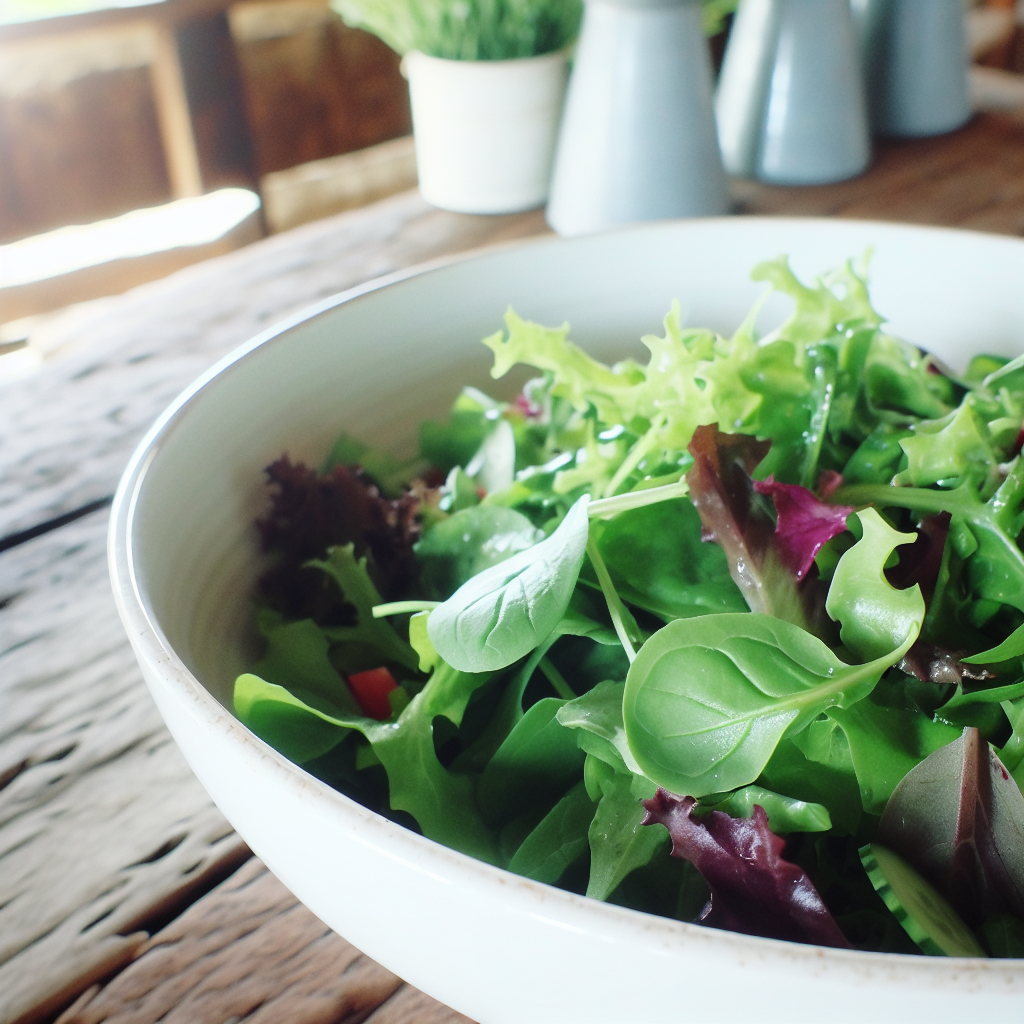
122 889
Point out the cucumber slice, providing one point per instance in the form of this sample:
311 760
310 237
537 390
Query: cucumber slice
925 915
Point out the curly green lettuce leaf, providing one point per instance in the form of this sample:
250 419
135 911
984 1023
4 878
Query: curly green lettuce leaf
876 618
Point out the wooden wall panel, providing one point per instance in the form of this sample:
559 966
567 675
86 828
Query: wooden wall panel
321 91
84 151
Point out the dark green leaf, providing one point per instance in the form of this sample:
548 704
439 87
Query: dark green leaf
537 761
558 841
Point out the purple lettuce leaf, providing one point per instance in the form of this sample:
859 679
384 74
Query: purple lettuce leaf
734 516
958 818
753 890
805 523
310 513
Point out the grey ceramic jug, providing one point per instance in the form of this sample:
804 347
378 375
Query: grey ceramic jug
638 139
790 103
915 65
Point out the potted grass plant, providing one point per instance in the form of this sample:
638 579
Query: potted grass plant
487 81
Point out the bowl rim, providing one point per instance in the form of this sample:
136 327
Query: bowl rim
152 647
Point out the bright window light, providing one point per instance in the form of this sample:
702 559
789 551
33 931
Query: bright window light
13 11
185 222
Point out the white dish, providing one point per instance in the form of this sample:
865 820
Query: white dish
375 361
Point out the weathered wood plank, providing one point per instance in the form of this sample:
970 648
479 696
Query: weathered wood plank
103 827
68 430
249 952
972 178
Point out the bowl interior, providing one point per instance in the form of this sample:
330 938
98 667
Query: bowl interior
378 361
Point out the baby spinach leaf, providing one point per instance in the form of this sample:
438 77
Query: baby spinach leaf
753 890
538 760
875 617
503 613
708 699
784 813
658 562
558 841
618 843
456 549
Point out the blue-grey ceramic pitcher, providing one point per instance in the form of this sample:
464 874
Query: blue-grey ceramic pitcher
915 65
790 103
638 139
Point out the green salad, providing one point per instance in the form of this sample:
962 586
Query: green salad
734 636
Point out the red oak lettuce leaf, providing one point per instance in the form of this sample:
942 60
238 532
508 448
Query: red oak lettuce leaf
805 524
753 890
310 513
958 818
829 481
733 516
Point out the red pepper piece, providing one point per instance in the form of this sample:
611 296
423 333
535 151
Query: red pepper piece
371 689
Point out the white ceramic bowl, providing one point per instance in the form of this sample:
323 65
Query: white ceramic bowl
375 361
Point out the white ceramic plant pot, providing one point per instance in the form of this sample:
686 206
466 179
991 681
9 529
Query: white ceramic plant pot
485 130
638 137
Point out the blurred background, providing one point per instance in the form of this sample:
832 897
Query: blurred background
137 136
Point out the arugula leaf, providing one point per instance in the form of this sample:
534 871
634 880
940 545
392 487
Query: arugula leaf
986 531
503 613
816 766
785 814
442 802
753 890
875 617
284 721
456 549
351 576
598 717
708 700
538 759
558 841
618 843
885 744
